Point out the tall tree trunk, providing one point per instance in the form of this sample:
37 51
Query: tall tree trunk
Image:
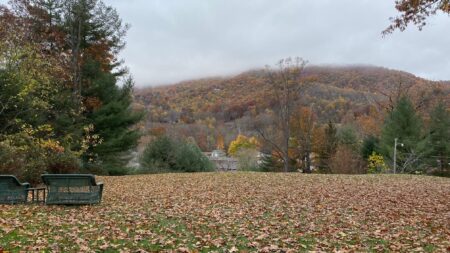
307 159
286 163
76 20
286 136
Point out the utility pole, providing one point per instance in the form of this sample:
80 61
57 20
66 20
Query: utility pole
395 155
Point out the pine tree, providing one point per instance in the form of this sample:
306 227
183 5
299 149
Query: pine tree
403 124
108 108
439 138
268 164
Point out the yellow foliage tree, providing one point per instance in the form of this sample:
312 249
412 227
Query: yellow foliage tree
376 164
241 142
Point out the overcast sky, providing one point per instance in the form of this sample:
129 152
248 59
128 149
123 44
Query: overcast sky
173 40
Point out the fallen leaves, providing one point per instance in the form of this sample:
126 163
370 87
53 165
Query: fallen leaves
242 212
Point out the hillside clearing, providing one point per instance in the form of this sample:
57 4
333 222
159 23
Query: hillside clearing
246 212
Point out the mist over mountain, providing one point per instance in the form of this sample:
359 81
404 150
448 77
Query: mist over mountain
340 94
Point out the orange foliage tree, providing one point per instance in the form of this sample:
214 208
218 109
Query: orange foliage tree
304 129
416 12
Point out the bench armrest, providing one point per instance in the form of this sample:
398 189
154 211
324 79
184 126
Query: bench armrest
100 184
27 185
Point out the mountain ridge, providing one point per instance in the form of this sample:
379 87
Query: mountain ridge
227 106
249 87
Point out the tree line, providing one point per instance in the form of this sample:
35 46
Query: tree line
289 136
65 96
405 141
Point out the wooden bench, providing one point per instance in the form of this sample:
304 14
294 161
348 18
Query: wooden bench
12 191
72 189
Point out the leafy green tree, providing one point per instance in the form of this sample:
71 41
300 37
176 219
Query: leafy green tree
439 138
26 81
403 124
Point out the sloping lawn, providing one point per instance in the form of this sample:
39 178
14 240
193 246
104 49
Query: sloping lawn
242 212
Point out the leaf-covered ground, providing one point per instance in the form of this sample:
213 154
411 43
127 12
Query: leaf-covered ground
242 212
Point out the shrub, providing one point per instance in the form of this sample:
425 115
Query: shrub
60 163
247 159
118 171
376 164
158 154
25 162
11 162
167 155
189 158
27 157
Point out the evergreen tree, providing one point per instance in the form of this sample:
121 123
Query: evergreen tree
439 138
109 110
267 163
404 124
369 146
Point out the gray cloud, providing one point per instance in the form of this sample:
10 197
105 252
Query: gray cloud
173 40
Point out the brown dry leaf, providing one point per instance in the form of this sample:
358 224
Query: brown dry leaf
211 212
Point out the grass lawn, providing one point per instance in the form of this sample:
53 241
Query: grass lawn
242 212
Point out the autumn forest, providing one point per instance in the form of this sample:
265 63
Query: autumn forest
354 100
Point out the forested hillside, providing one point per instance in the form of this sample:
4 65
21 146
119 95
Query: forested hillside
211 108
